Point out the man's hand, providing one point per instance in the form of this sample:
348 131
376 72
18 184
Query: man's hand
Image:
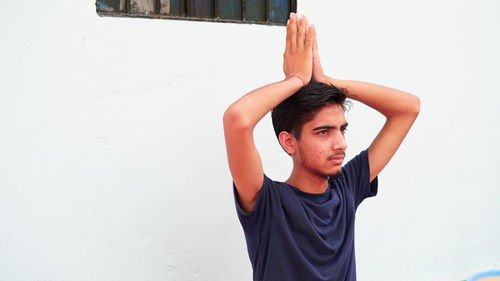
317 70
299 48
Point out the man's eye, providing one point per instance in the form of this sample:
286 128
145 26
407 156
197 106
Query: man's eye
323 132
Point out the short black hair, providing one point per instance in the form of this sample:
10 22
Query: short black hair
300 108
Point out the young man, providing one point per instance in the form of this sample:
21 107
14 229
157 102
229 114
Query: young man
303 229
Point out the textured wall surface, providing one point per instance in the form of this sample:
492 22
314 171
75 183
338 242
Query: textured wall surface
112 157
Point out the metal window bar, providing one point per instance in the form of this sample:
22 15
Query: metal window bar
266 14
270 12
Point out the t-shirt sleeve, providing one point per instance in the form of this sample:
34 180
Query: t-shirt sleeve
357 175
252 221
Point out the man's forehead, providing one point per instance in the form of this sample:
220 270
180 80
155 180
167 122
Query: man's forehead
332 114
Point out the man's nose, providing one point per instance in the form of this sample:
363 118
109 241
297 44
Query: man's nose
339 142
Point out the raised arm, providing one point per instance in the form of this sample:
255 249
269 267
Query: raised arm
400 109
241 117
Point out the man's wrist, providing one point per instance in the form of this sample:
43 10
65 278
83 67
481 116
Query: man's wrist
330 80
296 78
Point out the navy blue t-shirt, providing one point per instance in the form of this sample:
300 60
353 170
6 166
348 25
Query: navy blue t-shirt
297 236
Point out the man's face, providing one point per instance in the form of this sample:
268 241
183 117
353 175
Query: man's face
321 147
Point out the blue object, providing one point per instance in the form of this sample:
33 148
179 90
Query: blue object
483 274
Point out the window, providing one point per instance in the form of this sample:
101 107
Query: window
244 11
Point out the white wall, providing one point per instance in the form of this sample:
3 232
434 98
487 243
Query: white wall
112 159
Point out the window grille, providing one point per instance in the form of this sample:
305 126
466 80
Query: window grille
273 12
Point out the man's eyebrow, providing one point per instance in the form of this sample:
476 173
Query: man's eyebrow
330 127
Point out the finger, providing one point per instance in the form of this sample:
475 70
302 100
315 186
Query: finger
297 22
287 45
310 38
302 31
293 31
315 46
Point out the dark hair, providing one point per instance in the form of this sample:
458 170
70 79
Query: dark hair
300 108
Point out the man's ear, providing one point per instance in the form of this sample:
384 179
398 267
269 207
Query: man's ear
288 142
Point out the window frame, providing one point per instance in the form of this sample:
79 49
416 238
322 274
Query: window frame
186 7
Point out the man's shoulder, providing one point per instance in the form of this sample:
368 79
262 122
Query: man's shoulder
273 183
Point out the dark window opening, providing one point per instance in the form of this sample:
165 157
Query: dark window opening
273 12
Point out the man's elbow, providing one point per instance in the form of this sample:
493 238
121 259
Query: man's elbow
415 106
408 110
234 119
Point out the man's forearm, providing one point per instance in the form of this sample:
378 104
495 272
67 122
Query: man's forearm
251 108
390 102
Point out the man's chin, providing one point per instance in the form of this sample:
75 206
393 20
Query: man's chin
334 176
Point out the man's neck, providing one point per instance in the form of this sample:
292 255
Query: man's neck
308 182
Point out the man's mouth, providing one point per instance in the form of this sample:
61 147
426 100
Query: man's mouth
337 158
